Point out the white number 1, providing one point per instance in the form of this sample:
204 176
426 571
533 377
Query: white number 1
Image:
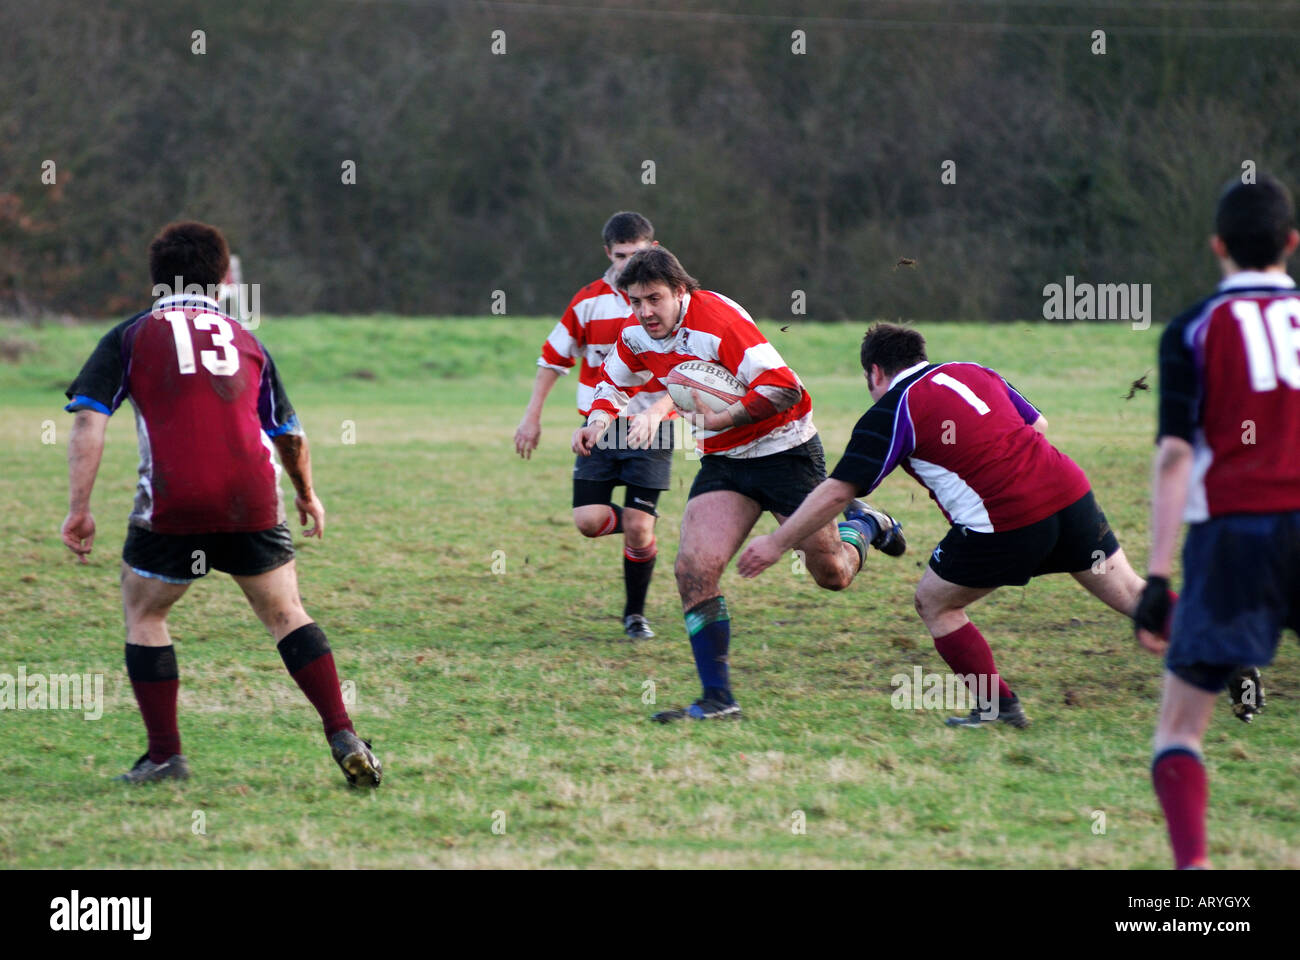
963 391
226 365
1282 316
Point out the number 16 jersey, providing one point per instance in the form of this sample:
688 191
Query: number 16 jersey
207 400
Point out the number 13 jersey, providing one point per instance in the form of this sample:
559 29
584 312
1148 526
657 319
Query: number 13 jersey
207 400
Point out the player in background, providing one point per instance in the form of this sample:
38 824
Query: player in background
1227 462
209 406
1019 508
639 454
761 453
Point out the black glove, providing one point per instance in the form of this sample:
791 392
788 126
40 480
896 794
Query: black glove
1154 607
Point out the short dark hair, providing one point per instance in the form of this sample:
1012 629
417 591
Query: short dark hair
656 265
626 227
1254 221
892 348
195 252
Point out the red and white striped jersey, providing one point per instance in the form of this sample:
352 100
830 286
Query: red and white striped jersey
588 330
715 329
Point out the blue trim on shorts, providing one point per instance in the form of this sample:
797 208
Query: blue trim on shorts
159 576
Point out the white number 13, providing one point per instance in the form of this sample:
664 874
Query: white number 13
226 365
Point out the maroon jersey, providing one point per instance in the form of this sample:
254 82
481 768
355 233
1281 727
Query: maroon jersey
207 400
1230 386
967 436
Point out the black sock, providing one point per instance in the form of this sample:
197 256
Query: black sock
638 567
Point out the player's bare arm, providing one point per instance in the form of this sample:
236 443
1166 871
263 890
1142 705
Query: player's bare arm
296 458
1041 424
85 449
822 506
1170 475
529 431
642 426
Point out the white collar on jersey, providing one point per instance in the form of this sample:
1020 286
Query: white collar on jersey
904 374
1256 278
184 298
681 314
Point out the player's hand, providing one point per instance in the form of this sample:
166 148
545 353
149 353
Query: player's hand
586 438
705 419
1151 618
78 533
641 428
761 553
311 507
526 437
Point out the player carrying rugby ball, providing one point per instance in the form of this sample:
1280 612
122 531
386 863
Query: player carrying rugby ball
761 453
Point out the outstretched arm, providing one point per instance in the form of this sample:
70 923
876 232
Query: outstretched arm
85 450
818 509
296 458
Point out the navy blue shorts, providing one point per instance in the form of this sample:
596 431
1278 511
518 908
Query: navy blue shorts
611 462
1241 587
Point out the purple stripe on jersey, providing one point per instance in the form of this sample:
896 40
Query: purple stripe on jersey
1023 406
265 402
903 441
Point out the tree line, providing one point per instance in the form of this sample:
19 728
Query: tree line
924 160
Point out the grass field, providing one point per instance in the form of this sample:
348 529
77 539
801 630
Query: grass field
511 699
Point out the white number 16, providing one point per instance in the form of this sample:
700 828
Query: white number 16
226 365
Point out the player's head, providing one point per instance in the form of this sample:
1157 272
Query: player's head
194 252
886 349
656 283
624 234
1254 225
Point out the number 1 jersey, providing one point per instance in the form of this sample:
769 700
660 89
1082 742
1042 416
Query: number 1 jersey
967 436
207 401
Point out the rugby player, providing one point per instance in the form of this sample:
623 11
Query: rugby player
1019 508
1227 462
761 453
209 410
639 454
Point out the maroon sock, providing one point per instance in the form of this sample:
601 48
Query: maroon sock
307 656
1179 778
156 682
966 651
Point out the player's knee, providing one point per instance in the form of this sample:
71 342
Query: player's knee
638 527
588 524
833 579
922 606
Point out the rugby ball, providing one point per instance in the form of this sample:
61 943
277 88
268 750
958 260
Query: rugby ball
718 387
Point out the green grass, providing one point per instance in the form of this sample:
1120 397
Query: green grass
514 693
